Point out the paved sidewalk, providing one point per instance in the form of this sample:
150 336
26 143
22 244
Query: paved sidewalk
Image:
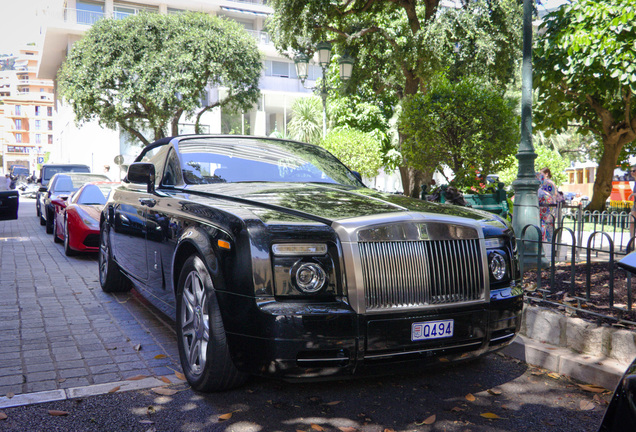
59 330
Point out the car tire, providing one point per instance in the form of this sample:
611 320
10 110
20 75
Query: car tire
49 222
67 240
37 207
110 277
203 349
55 237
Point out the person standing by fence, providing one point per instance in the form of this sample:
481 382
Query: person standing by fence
548 198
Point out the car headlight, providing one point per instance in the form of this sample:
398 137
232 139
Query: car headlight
497 264
309 277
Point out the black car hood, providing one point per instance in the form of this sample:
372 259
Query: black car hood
290 202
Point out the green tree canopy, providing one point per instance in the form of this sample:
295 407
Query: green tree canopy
358 150
147 71
465 125
398 46
546 157
585 77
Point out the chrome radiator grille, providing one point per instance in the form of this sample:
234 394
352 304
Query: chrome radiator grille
421 273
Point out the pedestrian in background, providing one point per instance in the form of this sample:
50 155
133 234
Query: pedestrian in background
5 183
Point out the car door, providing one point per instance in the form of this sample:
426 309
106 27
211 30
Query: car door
128 242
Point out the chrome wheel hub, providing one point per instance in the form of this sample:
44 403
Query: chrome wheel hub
195 322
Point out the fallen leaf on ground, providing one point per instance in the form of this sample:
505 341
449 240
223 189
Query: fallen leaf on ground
456 409
347 429
592 388
166 380
586 405
164 391
470 397
554 375
10 395
180 376
490 415
114 389
3 416
388 430
317 427
160 356
58 413
137 378
224 417
333 403
494 392
429 421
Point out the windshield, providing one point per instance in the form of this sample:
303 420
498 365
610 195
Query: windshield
230 160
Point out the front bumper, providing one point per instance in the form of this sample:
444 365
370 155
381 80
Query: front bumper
304 341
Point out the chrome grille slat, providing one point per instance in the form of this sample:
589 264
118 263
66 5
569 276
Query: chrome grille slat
402 274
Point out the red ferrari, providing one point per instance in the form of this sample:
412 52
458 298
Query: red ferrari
76 221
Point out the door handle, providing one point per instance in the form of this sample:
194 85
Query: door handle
149 202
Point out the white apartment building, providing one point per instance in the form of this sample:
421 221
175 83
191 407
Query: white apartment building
93 145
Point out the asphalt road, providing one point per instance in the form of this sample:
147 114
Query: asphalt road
496 393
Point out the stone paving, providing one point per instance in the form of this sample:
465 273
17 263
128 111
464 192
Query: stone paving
58 329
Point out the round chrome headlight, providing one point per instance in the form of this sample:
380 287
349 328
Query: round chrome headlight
497 265
309 277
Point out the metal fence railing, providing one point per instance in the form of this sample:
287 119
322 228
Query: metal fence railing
576 270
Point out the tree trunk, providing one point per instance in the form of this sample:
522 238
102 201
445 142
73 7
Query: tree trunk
604 175
412 181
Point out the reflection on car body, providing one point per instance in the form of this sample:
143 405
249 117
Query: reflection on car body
275 260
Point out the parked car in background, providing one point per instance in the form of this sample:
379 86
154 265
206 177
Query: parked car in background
63 185
46 174
274 259
76 220
19 172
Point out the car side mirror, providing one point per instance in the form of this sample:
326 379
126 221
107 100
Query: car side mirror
142 172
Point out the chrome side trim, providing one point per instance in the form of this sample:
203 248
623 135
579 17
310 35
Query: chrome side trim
401 353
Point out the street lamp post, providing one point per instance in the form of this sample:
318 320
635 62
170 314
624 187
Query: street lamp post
526 186
324 59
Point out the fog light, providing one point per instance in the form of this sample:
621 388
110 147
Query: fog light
309 277
497 266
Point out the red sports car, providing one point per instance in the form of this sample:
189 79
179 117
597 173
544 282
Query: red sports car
76 220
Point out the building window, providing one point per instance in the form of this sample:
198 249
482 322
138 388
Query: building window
50 125
18 124
49 111
18 110
18 138
37 139
38 124
50 139
89 12
37 110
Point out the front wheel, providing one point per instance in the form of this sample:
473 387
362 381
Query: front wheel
205 356
56 239
67 240
110 278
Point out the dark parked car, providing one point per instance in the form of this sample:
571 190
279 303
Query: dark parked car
63 185
46 174
76 218
274 259
9 203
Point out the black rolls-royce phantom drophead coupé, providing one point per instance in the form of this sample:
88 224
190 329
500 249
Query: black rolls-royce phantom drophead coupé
274 259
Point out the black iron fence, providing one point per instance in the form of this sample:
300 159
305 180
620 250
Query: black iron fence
576 270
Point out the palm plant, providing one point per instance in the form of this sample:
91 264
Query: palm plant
306 120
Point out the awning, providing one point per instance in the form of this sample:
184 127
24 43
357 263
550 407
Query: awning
244 11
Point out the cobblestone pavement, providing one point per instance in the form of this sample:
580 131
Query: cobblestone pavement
58 328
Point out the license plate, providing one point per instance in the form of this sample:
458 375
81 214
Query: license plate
432 330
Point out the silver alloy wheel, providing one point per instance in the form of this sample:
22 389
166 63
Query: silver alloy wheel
104 252
66 239
195 322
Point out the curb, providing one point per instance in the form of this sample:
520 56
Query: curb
85 391
602 371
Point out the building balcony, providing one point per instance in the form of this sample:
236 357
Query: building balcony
261 37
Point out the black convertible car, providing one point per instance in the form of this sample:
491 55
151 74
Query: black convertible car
274 259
